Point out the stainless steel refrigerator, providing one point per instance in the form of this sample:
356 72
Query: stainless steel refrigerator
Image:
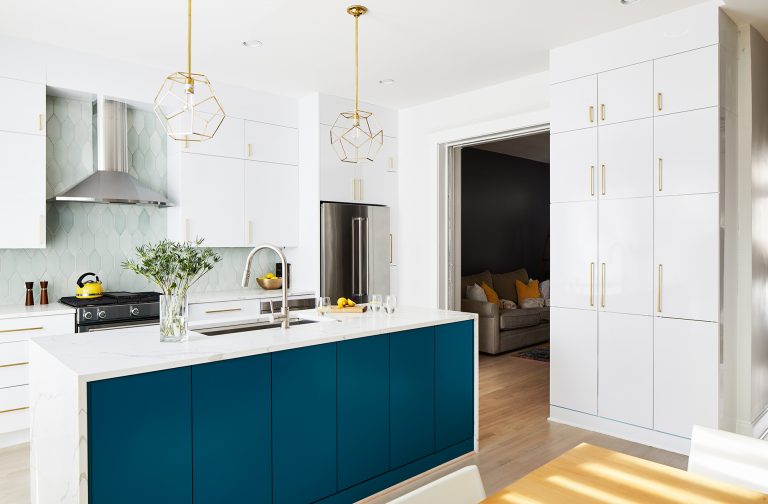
355 252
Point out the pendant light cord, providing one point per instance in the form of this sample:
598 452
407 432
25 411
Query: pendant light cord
189 41
357 84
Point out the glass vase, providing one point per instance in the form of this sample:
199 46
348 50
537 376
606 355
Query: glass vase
173 317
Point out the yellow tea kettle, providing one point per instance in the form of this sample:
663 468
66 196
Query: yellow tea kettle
89 288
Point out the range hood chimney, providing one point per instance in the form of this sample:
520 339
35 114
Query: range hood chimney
111 182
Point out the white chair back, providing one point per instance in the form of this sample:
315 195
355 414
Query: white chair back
460 487
730 458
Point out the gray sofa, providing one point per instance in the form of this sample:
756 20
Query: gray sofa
505 330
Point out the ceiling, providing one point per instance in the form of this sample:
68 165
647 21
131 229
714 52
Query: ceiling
534 147
432 49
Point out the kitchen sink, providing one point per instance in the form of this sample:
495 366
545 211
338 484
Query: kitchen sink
251 326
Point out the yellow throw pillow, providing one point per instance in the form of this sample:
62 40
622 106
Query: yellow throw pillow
490 294
527 291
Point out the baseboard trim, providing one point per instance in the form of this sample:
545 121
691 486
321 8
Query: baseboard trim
8 439
620 430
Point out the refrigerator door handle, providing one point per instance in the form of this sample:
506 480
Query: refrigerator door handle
357 255
367 261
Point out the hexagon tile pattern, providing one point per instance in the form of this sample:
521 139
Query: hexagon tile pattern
85 237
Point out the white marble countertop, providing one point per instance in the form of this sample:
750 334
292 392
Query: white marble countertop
121 352
18 310
249 293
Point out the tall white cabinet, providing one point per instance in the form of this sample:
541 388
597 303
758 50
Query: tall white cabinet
637 203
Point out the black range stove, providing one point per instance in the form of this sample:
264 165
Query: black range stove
115 310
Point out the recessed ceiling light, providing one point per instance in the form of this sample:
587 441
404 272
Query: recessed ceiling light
387 82
628 2
253 43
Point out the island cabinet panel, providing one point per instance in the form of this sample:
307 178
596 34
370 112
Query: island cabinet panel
412 395
232 459
304 424
454 383
363 409
140 438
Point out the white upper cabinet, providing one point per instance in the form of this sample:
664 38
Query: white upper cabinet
22 190
685 366
271 143
626 159
573 365
23 107
212 202
338 180
378 180
573 104
573 166
227 142
625 94
686 81
626 256
271 204
687 257
687 153
574 254
625 387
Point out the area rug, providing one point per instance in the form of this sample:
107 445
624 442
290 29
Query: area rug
538 352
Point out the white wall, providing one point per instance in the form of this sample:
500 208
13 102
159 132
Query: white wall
420 129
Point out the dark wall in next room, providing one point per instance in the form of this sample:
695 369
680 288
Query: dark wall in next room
504 214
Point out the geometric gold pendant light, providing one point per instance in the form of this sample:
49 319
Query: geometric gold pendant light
186 103
355 135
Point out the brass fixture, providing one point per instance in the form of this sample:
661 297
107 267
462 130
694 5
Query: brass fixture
186 103
356 136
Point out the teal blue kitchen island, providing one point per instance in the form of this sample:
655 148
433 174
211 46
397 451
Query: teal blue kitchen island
330 412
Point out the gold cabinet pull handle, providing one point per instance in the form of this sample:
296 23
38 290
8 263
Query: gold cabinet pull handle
224 310
658 101
249 231
661 164
40 122
250 150
658 301
602 111
602 179
14 364
186 230
390 248
591 113
21 329
592 180
602 286
14 409
591 283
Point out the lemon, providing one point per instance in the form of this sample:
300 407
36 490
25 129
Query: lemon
270 276
350 302
341 302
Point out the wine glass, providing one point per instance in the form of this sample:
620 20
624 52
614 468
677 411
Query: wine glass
322 304
375 303
391 304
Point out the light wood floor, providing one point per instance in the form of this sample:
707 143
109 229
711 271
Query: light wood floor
515 436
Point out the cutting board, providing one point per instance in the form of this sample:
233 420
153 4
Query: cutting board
348 309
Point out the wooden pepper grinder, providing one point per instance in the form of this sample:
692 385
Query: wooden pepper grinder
43 292
30 300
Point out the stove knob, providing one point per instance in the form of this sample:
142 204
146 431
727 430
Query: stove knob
134 311
88 315
102 314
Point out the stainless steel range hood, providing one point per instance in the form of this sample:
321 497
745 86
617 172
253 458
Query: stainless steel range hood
111 182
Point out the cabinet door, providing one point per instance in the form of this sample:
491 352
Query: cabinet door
338 180
687 81
626 256
304 424
23 106
573 104
626 368
363 409
271 143
573 365
687 257
232 456
271 203
412 395
626 93
687 152
454 383
227 142
378 181
685 365
212 200
573 166
140 438
22 160
626 159
573 252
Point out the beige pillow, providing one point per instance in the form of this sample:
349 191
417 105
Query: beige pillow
479 279
504 283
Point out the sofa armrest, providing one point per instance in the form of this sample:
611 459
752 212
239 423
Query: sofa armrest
482 308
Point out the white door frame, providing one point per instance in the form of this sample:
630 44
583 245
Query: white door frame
447 154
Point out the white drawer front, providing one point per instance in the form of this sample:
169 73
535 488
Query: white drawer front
224 310
14 353
14 375
23 328
13 398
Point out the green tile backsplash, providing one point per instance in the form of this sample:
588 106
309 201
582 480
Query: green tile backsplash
85 237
